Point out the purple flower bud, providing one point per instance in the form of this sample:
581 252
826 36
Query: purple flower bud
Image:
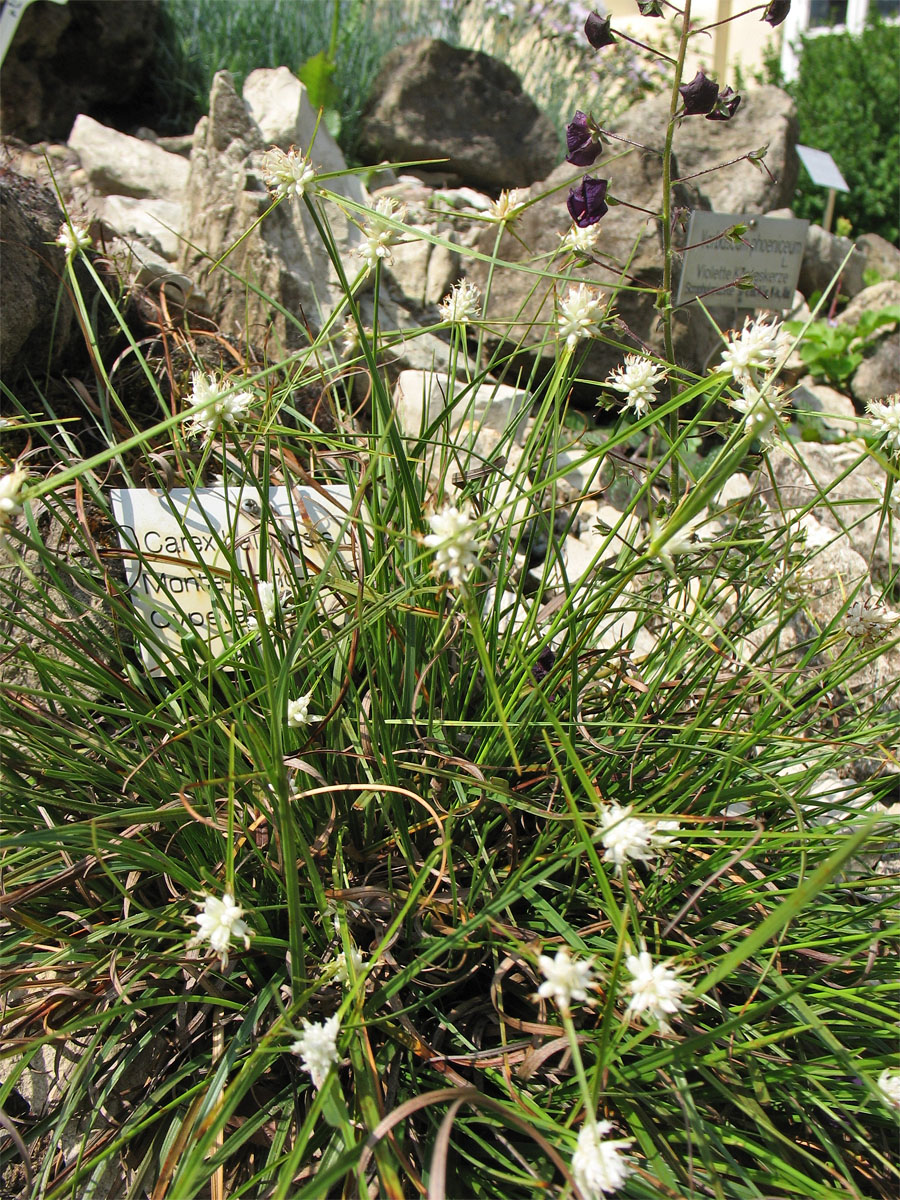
727 104
581 143
650 8
587 203
699 95
598 33
776 12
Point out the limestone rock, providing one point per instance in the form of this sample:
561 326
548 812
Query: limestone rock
279 278
878 375
435 101
824 256
844 490
421 396
880 255
117 164
278 103
823 411
871 299
423 272
156 223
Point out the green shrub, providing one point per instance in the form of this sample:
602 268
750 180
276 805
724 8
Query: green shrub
848 96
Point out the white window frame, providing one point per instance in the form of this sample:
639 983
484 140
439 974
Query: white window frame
797 23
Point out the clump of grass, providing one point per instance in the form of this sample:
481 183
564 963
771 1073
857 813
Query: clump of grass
427 863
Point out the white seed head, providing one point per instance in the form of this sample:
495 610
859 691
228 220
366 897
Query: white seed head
218 921
599 1163
73 238
638 378
885 418
580 314
461 305
317 1048
565 979
287 174
454 542
656 990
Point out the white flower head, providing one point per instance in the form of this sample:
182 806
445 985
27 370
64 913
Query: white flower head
760 346
298 713
580 314
11 494
889 1083
869 623
885 417
215 407
342 970
453 541
268 600
599 1164
565 979
379 232
655 991
287 174
508 206
217 923
638 378
461 305
762 409
580 240
317 1047
73 238
626 837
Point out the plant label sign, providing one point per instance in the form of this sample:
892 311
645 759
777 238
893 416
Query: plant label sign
195 558
764 260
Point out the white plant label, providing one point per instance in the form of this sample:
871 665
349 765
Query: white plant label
769 254
180 546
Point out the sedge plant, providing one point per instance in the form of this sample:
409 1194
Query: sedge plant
433 860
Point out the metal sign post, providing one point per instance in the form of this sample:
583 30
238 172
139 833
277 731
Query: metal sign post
823 171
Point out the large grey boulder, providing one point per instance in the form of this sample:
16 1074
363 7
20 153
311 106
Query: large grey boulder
766 117
435 101
828 259
92 56
31 326
279 279
881 255
879 373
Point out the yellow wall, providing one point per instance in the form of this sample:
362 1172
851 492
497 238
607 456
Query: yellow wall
717 52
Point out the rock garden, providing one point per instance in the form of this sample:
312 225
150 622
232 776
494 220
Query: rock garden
450 678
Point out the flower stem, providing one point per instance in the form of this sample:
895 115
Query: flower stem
665 300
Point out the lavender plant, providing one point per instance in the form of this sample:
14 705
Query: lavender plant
442 861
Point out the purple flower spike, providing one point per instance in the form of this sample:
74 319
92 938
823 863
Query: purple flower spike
581 143
699 95
587 203
598 33
726 106
776 12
